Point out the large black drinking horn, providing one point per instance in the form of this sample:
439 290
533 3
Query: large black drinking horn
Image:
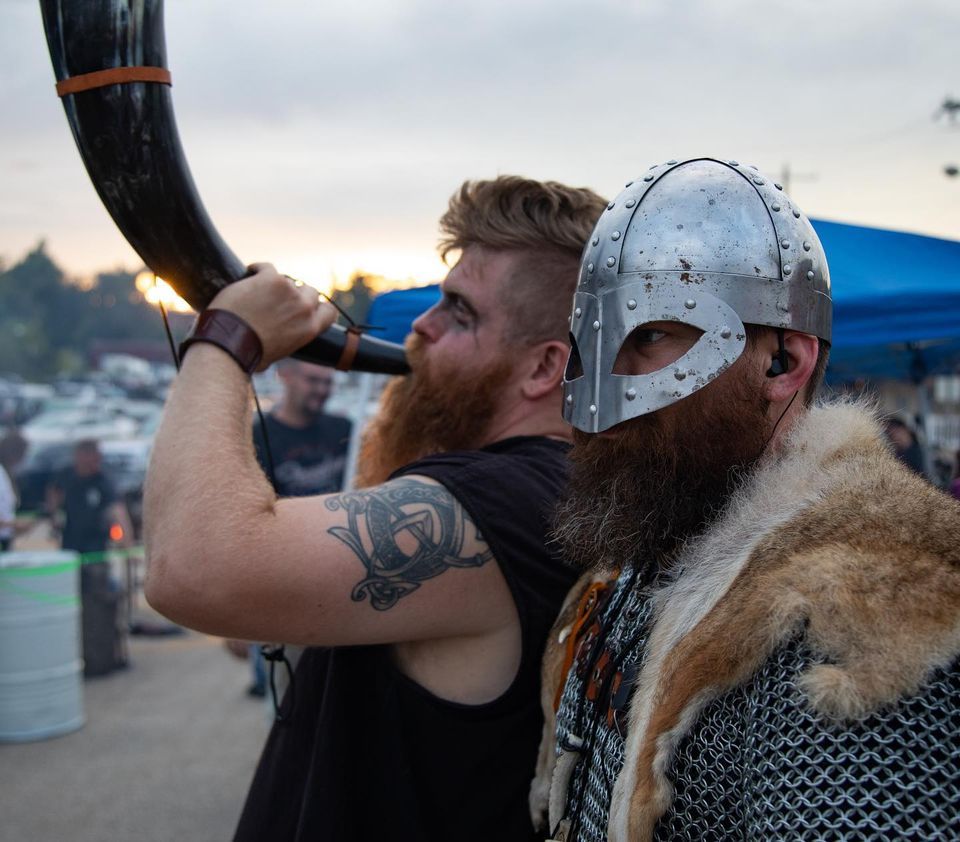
109 57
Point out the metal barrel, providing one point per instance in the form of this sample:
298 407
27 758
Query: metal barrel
127 137
41 685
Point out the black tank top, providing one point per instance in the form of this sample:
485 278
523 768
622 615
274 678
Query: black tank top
367 754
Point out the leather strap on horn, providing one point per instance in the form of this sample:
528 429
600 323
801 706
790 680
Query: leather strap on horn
113 76
350 346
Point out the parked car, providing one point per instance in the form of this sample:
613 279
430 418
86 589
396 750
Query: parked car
19 401
82 422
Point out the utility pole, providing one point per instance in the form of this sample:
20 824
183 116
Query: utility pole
949 108
787 176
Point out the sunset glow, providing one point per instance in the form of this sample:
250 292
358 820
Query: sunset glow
385 269
157 291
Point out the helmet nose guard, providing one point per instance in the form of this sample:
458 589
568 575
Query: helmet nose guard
706 242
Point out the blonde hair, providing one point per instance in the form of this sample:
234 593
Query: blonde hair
547 224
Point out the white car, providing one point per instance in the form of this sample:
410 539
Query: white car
71 425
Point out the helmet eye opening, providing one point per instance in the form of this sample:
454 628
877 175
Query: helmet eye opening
651 347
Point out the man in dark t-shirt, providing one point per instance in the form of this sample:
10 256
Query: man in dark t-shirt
308 448
86 496
432 588
91 507
89 503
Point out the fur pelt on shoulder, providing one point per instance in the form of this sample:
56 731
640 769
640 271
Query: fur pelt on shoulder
833 539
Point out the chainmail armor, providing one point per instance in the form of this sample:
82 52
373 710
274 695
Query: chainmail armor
760 765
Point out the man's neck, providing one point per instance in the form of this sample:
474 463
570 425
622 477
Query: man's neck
293 418
530 420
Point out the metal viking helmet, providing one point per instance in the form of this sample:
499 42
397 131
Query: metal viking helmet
710 243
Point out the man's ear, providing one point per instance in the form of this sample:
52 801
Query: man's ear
802 351
544 368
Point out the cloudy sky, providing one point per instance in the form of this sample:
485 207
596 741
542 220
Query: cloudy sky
327 137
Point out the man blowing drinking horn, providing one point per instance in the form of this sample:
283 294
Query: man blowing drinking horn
430 592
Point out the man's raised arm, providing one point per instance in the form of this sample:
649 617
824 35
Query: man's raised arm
225 556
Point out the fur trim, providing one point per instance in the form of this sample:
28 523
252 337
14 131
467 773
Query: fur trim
835 539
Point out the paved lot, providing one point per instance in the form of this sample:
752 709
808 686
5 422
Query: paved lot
167 753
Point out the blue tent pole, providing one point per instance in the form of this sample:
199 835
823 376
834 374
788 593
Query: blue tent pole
921 379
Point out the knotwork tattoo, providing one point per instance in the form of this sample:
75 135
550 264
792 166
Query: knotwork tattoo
404 532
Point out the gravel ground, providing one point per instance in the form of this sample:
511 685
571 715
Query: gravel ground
167 752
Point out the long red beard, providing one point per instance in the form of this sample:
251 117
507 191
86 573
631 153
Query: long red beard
432 410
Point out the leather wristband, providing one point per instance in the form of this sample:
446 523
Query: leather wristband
228 332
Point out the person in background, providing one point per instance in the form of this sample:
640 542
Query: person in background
90 506
425 599
308 446
308 452
13 447
93 519
905 444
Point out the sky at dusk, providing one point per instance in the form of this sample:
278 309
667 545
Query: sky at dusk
327 137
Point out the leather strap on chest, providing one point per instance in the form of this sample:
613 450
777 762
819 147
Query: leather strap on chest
590 602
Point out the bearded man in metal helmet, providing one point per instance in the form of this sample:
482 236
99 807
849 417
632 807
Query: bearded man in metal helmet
765 642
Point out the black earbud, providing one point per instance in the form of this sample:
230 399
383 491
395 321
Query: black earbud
777 368
779 364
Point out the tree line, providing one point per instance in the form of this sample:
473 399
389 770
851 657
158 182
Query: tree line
48 322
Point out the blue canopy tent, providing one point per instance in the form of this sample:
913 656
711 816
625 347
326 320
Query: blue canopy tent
392 313
896 300
896 303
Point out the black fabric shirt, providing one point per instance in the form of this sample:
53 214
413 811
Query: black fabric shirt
86 501
367 753
306 460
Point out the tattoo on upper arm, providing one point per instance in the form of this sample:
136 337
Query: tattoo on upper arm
405 533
